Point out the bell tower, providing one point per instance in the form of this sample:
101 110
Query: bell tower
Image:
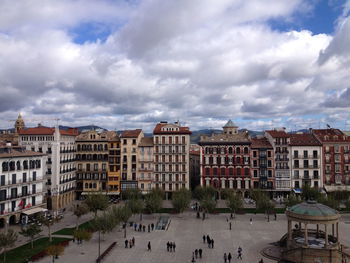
230 128
19 124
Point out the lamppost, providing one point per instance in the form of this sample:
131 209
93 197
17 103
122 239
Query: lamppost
55 193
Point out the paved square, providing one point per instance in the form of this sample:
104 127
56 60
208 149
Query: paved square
187 232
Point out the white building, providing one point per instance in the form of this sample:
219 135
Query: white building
305 161
59 145
21 183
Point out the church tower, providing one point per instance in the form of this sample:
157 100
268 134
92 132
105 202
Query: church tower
230 128
19 124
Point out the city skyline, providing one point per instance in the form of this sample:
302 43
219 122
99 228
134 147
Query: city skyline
130 64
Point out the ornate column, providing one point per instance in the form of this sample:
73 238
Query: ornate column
207 181
239 183
231 183
305 235
333 230
337 227
326 237
223 183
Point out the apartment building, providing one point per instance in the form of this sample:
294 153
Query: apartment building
335 158
280 140
130 139
145 166
21 183
59 161
305 161
225 159
113 182
171 157
92 161
262 164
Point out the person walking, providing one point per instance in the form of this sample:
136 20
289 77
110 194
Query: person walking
135 226
230 225
193 260
200 252
251 221
229 257
225 258
261 261
144 228
174 246
133 241
168 246
126 243
149 228
152 225
231 216
209 243
130 243
208 238
204 239
149 246
196 253
239 253
171 247
212 243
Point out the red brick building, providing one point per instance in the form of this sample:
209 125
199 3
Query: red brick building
225 159
336 158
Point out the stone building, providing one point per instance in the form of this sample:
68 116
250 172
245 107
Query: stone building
92 161
195 178
145 165
262 164
305 161
279 140
336 158
21 183
171 157
130 139
225 159
113 182
60 166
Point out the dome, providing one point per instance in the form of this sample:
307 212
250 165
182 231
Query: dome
312 208
230 124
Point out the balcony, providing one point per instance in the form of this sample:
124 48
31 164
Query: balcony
48 162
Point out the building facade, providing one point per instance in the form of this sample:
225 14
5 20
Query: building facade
279 140
335 158
113 183
130 139
21 183
59 146
145 166
171 157
305 161
225 159
262 164
92 161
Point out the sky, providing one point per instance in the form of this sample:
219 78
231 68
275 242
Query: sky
125 64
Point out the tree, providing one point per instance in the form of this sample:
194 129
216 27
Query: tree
292 200
55 251
80 210
208 204
309 193
82 234
224 193
48 223
136 206
132 193
96 202
329 201
234 202
103 224
207 197
31 231
122 213
7 240
181 199
265 204
154 200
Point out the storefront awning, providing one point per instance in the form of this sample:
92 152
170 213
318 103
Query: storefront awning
34 211
297 190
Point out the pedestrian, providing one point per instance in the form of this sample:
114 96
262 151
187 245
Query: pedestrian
144 228
204 239
171 247
140 226
212 243
193 260
133 241
196 253
152 225
149 246
135 226
168 246
198 215
251 220
239 253
126 243
275 215
149 228
225 258
230 225
261 261
203 216
229 257
174 246
231 216
200 252
208 238
130 243
209 243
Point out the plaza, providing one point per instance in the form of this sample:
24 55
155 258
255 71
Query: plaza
187 231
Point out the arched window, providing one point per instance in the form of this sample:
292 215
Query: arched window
245 150
12 166
18 164
5 167
37 164
230 150
238 150
78 147
25 164
95 147
239 172
86 185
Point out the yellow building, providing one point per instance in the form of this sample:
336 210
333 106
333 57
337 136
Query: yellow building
114 166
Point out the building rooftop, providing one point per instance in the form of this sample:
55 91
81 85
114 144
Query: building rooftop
131 133
169 128
241 137
304 139
330 135
42 130
103 136
278 133
260 143
312 208
146 141
230 124
16 151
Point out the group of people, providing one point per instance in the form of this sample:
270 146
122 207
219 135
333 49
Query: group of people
129 243
196 254
140 227
228 257
210 241
170 246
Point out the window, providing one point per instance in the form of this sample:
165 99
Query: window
133 141
296 154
